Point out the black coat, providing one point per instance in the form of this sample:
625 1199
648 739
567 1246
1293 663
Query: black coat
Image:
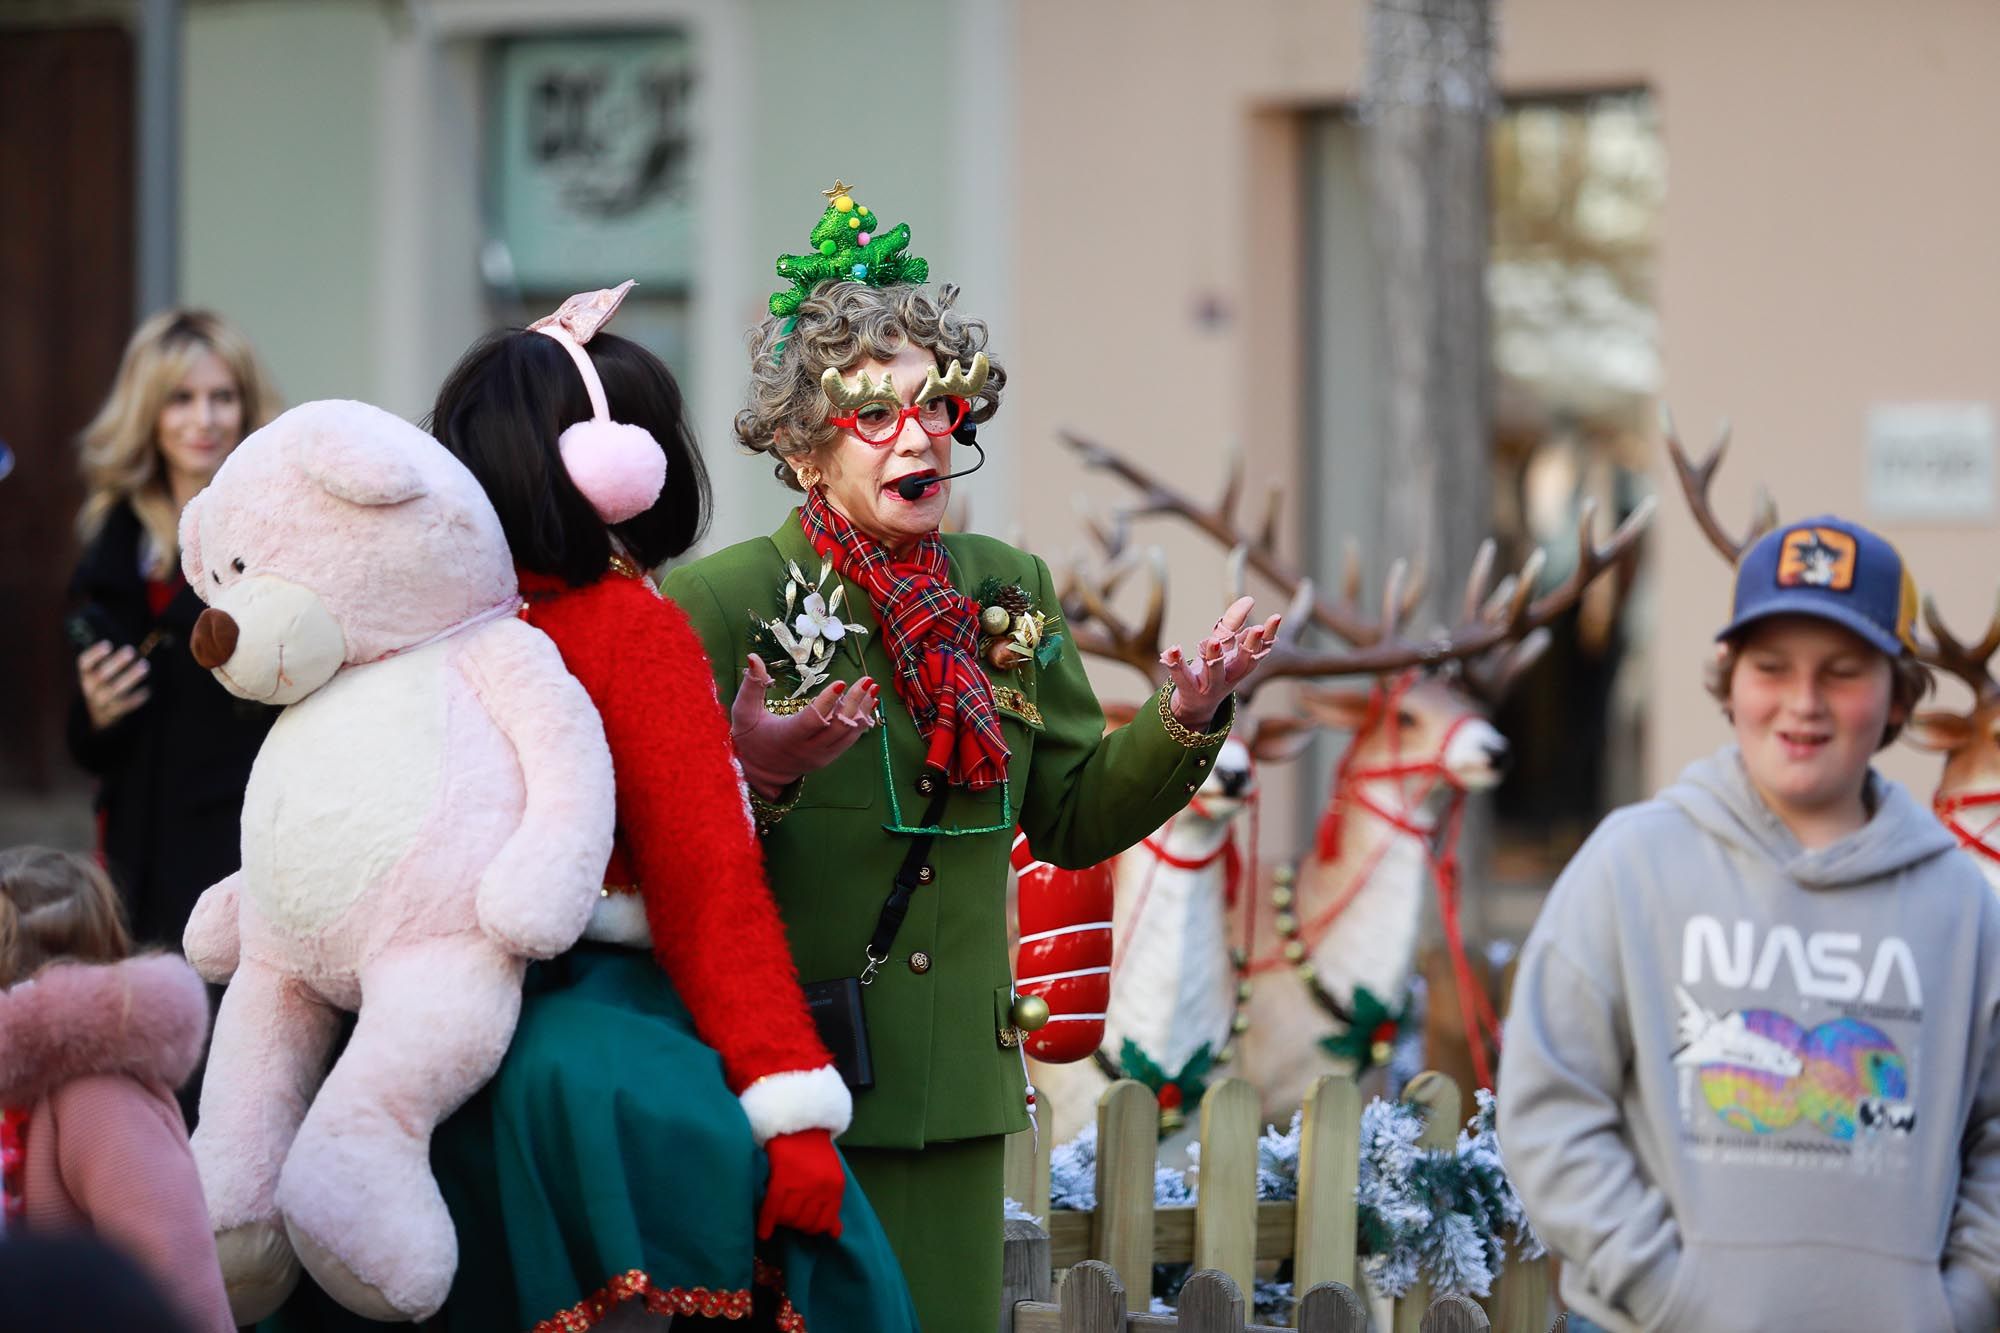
170 774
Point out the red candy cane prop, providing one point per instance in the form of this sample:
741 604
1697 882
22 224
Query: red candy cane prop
1065 953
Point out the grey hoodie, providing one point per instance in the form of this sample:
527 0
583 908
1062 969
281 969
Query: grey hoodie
1747 1086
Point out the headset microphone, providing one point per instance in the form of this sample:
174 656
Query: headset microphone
913 488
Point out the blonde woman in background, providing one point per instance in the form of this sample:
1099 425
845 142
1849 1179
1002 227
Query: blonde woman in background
171 749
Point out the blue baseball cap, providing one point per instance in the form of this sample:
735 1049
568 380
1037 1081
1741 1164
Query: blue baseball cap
1831 569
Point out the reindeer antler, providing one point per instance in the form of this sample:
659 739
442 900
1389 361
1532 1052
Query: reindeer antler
1098 630
849 397
1498 633
1506 619
1218 521
1695 481
1970 665
955 382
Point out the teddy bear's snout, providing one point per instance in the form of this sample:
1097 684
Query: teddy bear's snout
214 640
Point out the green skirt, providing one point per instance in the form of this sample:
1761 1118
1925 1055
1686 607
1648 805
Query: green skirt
608 1161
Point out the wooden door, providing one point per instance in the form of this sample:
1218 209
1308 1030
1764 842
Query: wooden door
66 294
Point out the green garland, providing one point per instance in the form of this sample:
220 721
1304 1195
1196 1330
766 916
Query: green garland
839 254
1443 1215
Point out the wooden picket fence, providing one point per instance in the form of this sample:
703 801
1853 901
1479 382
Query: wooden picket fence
1093 1301
1228 1230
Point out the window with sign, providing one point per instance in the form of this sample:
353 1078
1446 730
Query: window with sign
590 151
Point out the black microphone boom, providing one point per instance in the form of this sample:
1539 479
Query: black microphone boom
913 488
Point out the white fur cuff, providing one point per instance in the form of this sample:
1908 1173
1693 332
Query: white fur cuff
800 1099
619 918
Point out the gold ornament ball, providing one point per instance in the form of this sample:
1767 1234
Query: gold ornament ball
1287 924
1030 1013
1294 951
1281 898
995 620
1381 1051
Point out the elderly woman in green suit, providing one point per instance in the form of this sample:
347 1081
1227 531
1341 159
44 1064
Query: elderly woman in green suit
902 701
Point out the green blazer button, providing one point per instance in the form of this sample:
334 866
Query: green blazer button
920 962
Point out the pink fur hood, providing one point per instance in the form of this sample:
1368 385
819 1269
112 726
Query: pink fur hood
146 1017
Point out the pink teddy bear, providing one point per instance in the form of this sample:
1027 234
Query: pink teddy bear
433 808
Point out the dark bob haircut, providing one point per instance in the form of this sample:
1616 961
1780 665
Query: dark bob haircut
503 409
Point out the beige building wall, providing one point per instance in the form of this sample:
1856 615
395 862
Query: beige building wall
1825 247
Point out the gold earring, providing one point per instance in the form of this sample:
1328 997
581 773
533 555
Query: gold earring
808 476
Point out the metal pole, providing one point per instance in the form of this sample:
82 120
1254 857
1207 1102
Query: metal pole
159 142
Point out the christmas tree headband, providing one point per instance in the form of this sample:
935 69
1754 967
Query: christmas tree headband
846 247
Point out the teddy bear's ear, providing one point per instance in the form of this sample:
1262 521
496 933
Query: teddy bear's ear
363 466
191 566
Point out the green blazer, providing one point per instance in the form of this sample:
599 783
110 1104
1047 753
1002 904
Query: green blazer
947 1064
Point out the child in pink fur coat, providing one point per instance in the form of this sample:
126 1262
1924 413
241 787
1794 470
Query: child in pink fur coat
93 1044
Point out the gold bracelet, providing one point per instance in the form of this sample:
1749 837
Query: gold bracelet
1182 733
767 812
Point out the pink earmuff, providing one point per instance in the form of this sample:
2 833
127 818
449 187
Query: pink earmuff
620 468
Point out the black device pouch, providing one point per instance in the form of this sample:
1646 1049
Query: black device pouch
835 1004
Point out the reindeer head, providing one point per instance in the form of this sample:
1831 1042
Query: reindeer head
1426 727
1968 793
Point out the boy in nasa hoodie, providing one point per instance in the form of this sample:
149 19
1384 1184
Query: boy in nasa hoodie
1750 1077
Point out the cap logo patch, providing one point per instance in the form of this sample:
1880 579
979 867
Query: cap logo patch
1817 558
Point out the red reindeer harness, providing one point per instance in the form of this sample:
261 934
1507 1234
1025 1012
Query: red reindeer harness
1947 808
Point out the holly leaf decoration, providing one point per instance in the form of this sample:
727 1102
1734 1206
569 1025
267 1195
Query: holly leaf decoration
1374 1024
1135 1063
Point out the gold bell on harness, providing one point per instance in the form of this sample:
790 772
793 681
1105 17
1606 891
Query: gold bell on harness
1030 1013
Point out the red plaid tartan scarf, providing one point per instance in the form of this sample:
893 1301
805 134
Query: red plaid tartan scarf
931 632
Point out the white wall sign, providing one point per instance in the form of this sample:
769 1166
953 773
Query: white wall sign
1930 461
591 160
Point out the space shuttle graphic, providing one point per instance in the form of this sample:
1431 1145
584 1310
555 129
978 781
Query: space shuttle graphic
1712 1039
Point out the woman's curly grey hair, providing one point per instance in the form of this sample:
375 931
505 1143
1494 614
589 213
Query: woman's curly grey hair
840 325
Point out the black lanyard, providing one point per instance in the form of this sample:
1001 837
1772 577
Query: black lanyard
908 879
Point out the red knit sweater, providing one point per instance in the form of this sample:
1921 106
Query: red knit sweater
685 835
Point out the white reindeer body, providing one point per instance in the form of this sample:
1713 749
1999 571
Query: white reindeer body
1173 980
1173 986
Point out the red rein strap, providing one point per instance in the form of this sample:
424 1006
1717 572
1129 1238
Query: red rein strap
1947 808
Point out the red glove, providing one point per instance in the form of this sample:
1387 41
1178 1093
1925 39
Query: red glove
805 1187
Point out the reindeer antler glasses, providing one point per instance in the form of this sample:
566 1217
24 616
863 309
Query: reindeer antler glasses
875 411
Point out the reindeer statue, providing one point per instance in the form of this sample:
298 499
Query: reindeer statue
1967 796
1343 931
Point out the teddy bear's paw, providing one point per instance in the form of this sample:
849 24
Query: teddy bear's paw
345 1286
259 1269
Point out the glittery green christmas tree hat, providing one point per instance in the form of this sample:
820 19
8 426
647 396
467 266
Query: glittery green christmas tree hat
846 246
